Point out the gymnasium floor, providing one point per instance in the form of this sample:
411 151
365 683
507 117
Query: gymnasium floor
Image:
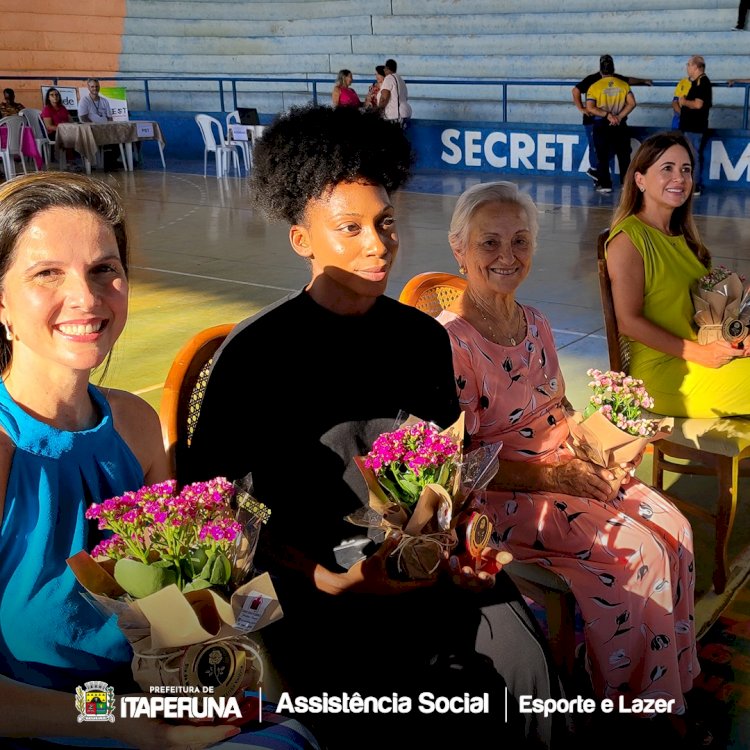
201 255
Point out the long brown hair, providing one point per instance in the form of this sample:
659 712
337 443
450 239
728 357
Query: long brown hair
22 198
631 200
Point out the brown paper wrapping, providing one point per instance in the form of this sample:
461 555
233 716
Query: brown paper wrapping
707 334
429 529
166 628
597 440
712 308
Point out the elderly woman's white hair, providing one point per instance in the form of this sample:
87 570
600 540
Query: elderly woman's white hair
488 192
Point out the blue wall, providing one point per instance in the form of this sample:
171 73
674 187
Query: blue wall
509 149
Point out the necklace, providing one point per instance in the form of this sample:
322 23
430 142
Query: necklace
517 329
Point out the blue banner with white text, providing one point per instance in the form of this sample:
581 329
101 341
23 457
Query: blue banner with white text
514 148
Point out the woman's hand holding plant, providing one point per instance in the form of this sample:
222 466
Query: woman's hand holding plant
371 576
714 355
584 479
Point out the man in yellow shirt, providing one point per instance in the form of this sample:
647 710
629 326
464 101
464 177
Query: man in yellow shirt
609 101
578 93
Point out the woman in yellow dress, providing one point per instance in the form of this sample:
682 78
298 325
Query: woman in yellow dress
654 257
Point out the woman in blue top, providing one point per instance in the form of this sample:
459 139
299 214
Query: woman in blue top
63 445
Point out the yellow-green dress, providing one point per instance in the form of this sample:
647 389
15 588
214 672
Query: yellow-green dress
679 388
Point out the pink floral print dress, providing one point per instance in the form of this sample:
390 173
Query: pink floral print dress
629 562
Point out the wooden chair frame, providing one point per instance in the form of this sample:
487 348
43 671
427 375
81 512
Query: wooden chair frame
701 462
183 391
431 293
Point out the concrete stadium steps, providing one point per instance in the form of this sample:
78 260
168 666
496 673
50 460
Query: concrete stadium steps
525 66
187 28
560 112
254 11
497 23
226 65
188 47
463 7
712 43
519 39
720 43
431 25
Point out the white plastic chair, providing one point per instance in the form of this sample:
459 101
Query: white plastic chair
245 147
34 120
217 144
14 126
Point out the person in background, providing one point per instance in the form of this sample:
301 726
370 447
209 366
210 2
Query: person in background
92 107
9 106
394 96
609 101
742 10
654 257
373 93
343 95
578 93
54 113
694 111
351 623
681 89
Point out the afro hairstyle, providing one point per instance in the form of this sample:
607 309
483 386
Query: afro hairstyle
311 149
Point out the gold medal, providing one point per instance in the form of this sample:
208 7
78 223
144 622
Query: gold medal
734 331
478 533
217 665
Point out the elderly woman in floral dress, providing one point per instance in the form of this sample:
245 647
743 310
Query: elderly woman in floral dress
625 551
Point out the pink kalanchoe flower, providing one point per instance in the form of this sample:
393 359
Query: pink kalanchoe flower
716 276
158 523
407 459
113 547
222 530
621 398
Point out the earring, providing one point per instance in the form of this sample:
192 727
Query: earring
642 189
8 333
462 270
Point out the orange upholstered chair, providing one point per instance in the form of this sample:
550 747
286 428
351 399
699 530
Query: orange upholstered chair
184 389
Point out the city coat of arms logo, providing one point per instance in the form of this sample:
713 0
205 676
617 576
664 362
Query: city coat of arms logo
95 701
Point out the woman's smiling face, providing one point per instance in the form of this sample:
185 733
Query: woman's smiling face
669 180
65 294
498 250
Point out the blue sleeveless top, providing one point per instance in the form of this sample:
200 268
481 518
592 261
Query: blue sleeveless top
50 635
